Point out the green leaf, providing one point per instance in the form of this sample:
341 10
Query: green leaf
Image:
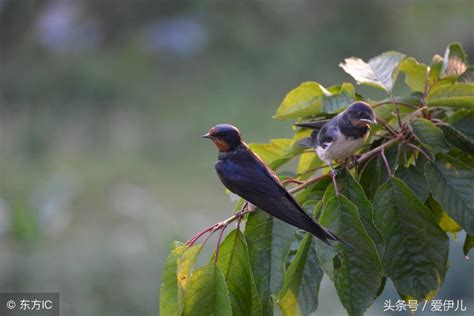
372 176
311 98
429 135
467 76
456 95
435 68
380 72
415 179
450 182
458 139
463 120
308 161
185 266
455 60
299 295
468 245
257 308
234 263
353 265
444 220
170 302
374 172
207 293
415 73
341 97
416 249
276 153
304 100
268 241
354 192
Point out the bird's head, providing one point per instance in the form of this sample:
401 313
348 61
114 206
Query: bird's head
360 114
225 136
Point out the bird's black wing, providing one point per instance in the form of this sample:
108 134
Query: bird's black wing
315 126
247 176
327 134
243 174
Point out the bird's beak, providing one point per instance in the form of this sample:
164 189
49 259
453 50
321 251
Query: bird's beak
369 121
207 135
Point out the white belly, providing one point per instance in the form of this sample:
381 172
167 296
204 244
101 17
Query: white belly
340 149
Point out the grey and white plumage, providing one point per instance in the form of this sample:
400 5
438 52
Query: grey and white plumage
341 136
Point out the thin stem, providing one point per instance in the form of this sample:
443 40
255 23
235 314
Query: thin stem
387 165
366 164
416 148
415 113
193 240
291 180
334 182
219 242
396 102
425 91
426 84
241 213
439 122
384 123
398 112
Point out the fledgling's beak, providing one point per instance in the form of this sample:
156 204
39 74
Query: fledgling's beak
207 135
374 121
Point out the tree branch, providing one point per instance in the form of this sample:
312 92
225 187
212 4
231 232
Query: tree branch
396 102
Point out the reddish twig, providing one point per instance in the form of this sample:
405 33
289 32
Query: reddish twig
219 242
385 124
396 102
385 160
416 148
397 111
415 113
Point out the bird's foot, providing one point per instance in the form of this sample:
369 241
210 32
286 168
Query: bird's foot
334 174
244 210
355 163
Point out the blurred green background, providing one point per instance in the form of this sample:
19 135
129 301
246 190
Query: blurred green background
102 105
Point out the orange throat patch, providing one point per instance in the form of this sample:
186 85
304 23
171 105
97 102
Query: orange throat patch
221 145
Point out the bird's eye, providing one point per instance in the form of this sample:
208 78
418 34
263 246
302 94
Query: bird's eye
361 114
220 134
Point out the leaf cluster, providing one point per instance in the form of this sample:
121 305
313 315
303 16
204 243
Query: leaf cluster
414 187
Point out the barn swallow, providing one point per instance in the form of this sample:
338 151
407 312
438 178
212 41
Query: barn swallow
245 174
340 137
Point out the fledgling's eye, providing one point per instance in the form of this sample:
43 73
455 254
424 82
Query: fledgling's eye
361 114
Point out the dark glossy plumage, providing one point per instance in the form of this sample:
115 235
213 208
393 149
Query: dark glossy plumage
246 175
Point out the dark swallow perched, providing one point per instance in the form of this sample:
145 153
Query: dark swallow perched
340 137
246 175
